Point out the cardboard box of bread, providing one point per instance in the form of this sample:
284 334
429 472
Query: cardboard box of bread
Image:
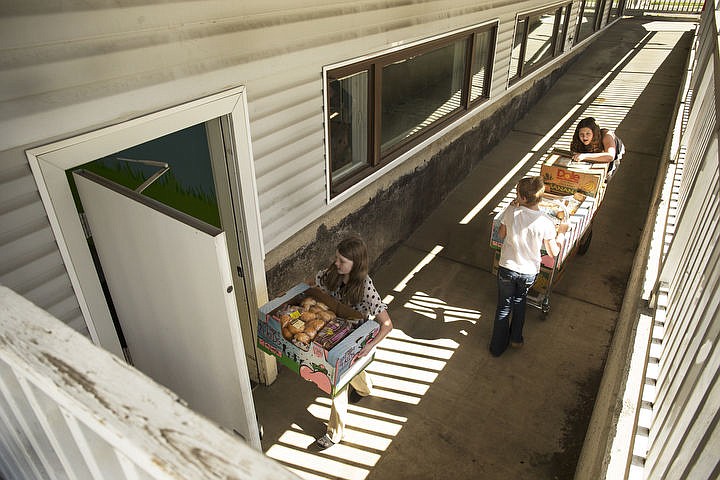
564 177
314 335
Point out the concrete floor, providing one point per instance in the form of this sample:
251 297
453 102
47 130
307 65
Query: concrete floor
443 407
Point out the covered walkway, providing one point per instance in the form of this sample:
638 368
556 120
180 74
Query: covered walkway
443 407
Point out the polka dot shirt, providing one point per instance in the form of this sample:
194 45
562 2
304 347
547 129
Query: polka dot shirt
371 304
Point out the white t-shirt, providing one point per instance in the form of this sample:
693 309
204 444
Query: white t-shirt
526 230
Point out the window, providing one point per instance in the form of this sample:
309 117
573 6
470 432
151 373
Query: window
614 10
381 107
589 18
539 36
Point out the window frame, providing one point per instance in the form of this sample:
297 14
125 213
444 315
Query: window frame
616 5
558 44
596 22
374 64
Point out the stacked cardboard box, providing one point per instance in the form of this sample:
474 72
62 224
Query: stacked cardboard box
580 209
566 178
580 189
329 368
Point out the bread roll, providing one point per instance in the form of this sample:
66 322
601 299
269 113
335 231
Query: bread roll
327 315
321 305
316 324
296 326
307 316
287 334
302 337
307 302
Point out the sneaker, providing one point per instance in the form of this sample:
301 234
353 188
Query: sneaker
354 396
324 442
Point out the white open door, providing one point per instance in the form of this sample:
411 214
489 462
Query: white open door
170 280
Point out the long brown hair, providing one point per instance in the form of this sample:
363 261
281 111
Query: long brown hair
595 145
353 248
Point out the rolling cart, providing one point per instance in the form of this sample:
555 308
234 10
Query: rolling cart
579 216
578 190
539 294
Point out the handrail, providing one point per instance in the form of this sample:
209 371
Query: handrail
69 409
691 7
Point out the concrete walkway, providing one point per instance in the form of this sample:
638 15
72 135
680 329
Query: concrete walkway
444 408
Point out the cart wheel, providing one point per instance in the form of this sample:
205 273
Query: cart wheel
545 307
585 243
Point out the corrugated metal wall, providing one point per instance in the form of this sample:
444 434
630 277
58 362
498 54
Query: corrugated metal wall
70 67
684 439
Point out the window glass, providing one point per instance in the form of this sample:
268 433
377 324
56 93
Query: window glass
481 65
381 107
420 90
614 10
539 40
586 21
517 47
348 121
561 30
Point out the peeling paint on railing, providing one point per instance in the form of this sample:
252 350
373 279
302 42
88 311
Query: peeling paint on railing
69 409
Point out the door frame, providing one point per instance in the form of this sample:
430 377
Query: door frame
50 162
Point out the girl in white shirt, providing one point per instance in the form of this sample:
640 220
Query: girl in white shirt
524 230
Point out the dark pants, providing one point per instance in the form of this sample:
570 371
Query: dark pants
510 314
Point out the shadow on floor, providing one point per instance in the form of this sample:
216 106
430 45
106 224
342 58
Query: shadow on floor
443 407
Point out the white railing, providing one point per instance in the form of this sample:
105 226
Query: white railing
661 422
636 7
668 426
682 385
69 409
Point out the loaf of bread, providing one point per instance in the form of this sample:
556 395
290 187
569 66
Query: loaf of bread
304 322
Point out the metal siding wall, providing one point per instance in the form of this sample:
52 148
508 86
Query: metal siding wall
701 125
292 197
68 68
684 437
687 402
30 262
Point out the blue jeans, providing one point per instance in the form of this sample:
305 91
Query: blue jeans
510 314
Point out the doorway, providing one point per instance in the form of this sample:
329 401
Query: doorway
222 121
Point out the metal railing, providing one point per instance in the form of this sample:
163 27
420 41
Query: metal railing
680 401
683 388
636 7
69 409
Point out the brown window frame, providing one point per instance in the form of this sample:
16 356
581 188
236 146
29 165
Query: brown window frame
374 66
614 6
562 12
597 20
